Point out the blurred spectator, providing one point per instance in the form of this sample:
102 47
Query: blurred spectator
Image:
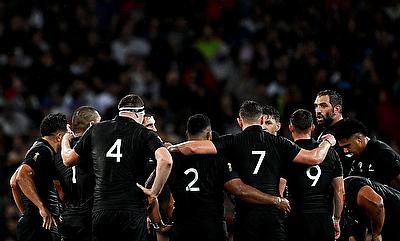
192 56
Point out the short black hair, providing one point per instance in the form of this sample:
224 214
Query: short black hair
197 123
250 110
301 120
130 100
334 97
271 111
53 123
82 117
347 127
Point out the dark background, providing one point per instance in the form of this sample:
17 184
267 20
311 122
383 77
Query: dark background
191 56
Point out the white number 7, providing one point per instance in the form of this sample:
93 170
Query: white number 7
260 160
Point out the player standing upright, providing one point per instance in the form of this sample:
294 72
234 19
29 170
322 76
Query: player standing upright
311 218
120 149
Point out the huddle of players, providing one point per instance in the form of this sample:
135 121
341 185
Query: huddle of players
111 157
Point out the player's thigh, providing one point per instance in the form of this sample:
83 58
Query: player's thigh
29 228
210 231
311 227
119 225
260 224
77 228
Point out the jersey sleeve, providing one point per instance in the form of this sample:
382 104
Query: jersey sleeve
153 141
227 171
84 144
337 169
288 148
38 157
223 143
389 165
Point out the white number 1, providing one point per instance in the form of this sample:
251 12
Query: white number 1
118 154
74 174
260 160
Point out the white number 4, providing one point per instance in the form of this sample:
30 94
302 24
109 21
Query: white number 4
260 160
117 154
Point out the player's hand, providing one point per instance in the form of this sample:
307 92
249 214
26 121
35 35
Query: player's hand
376 237
173 148
164 228
284 205
69 134
336 226
151 196
329 138
167 144
48 219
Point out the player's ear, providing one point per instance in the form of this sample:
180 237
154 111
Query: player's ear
209 135
59 136
337 109
312 127
278 126
240 122
262 119
291 128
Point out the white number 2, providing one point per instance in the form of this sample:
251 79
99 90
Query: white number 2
260 160
190 187
316 177
74 174
118 154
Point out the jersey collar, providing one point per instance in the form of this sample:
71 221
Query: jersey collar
253 128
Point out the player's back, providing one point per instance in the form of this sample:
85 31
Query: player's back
196 183
120 149
40 157
309 186
391 201
77 183
258 156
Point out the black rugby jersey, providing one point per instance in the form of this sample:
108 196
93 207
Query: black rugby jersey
119 149
258 157
77 183
40 157
354 216
378 161
310 185
346 160
197 184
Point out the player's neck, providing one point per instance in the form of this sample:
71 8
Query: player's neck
53 143
245 125
336 120
298 136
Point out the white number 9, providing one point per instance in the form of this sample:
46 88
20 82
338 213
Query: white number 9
316 177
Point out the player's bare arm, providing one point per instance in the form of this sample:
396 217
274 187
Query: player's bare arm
68 154
25 181
372 204
194 147
252 195
317 155
16 192
163 169
338 202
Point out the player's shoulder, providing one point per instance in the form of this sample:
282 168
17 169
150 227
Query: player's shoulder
42 147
